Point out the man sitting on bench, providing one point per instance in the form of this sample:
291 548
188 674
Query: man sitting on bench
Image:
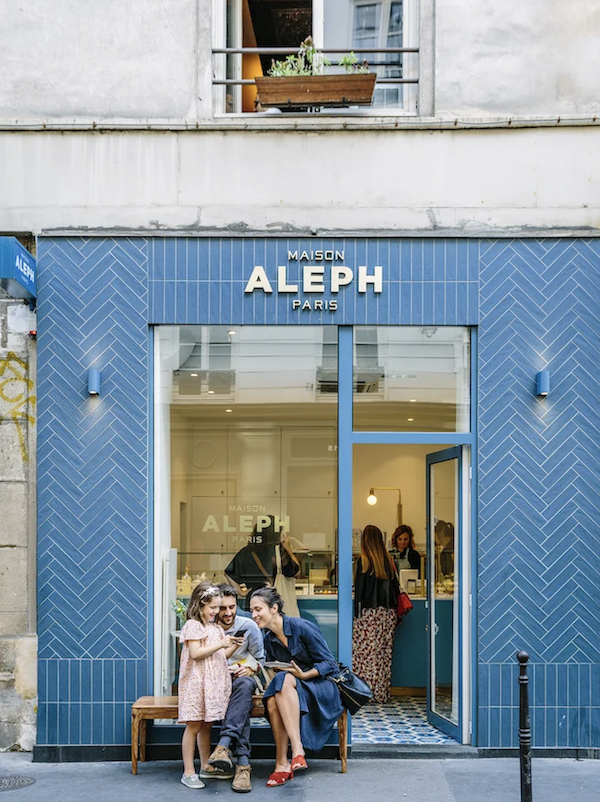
245 667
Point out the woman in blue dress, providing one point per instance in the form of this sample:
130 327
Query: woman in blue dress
301 703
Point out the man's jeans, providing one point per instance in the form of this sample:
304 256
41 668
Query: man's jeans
236 724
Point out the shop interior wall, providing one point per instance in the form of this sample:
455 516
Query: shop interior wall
196 492
254 468
396 466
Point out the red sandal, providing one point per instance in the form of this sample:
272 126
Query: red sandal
279 778
299 763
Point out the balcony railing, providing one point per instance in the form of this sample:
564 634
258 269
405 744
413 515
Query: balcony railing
409 71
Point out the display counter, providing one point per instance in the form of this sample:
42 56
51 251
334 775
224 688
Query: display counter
321 609
410 661
411 649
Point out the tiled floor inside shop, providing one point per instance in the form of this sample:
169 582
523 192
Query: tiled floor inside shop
402 720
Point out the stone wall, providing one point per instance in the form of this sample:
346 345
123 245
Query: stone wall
18 643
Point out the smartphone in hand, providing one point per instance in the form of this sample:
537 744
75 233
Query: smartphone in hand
241 633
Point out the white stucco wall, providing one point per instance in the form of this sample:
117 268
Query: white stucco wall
533 57
473 182
73 60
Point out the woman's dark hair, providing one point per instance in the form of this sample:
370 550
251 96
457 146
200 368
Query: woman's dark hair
401 530
270 597
266 536
203 593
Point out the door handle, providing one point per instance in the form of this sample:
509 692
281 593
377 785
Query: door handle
436 629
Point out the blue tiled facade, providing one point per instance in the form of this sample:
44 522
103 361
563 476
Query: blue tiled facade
534 305
539 489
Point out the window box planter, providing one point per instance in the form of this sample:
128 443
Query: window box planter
300 91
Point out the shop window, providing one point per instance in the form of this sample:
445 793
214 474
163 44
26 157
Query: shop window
370 28
327 370
264 448
411 378
206 366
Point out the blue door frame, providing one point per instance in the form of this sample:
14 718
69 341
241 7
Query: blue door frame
347 438
444 724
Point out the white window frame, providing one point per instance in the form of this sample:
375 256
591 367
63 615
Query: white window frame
410 38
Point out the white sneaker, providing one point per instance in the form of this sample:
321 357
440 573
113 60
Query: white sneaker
192 781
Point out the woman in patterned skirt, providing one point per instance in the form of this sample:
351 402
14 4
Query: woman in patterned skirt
376 591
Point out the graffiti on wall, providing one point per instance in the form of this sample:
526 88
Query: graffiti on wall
16 399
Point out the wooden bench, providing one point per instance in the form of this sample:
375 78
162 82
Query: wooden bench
157 707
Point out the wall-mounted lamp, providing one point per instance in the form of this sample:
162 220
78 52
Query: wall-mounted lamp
542 383
372 499
93 381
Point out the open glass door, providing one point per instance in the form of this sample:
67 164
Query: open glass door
443 590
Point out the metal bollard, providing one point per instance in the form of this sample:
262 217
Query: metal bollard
524 728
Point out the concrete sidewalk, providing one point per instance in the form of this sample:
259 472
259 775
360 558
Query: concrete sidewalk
480 780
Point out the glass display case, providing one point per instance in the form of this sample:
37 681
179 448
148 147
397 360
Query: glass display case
317 574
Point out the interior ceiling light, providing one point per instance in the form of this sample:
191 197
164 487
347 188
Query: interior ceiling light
228 410
211 392
410 419
231 331
193 374
413 400
372 498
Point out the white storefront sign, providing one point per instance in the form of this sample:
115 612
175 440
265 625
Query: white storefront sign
325 274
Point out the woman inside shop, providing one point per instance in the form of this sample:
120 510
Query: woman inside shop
301 703
255 565
403 549
376 590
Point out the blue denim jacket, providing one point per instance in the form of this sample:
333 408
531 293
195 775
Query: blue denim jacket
320 704
306 646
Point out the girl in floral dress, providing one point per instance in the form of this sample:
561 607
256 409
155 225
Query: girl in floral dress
204 678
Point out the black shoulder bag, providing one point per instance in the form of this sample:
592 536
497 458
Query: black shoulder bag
354 691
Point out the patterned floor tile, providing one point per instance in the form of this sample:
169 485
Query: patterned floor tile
402 720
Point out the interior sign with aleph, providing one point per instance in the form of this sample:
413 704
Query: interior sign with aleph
314 273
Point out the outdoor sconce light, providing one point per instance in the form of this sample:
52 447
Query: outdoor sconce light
93 381
542 383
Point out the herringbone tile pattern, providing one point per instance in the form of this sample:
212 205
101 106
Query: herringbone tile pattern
539 465
539 462
92 452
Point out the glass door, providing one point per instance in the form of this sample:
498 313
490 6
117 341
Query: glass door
443 590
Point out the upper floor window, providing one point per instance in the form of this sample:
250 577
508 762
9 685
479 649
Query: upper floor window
383 33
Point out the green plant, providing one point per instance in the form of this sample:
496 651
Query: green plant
311 61
179 608
350 63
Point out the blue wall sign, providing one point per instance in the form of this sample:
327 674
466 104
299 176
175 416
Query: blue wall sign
321 281
17 269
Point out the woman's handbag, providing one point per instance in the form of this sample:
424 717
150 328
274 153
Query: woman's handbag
354 691
403 605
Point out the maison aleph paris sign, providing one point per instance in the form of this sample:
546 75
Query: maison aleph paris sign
315 273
